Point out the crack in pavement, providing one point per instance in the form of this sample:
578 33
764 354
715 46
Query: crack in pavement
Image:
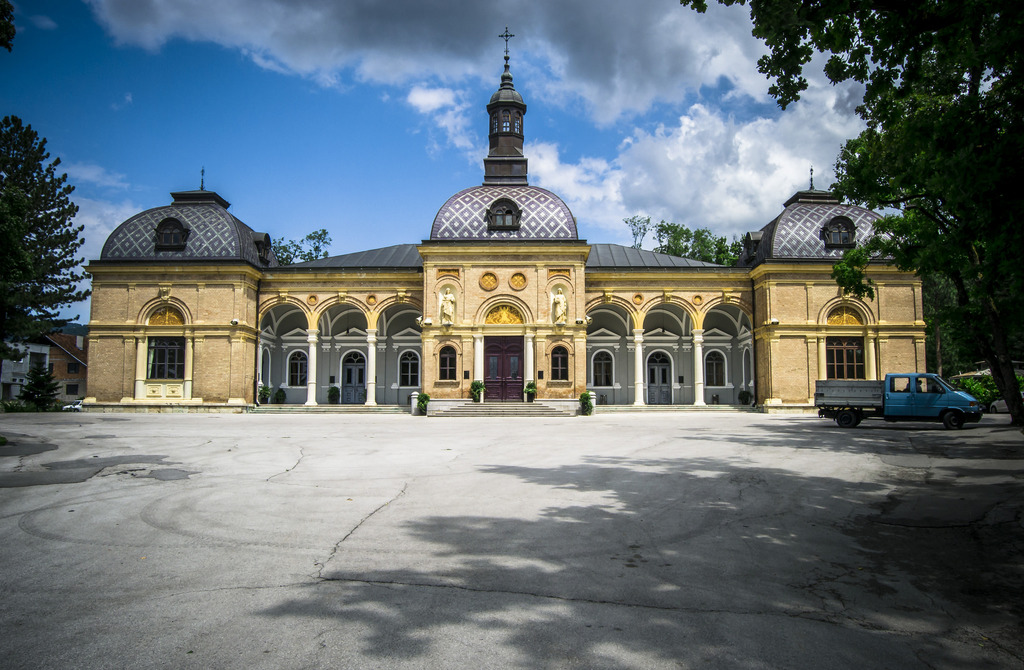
334 550
302 454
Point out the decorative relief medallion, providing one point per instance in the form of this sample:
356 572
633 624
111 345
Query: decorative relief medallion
311 299
488 281
638 298
371 300
504 315
844 316
697 300
517 281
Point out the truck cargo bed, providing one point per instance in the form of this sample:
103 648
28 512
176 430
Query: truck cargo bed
848 393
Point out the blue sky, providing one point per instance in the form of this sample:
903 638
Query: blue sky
364 116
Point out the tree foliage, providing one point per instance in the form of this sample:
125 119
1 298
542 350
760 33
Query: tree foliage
699 244
639 226
39 272
311 247
7 29
40 389
944 108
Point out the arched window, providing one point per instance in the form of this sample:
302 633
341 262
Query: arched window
838 233
519 123
446 364
844 357
171 235
559 364
602 369
503 214
166 358
409 369
494 123
714 369
297 367
506 121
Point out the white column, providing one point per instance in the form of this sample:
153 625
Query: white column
311 338
187 391
478 357
141 351
638 364
529 374
371 366
822 359
870 368
259 364
698 367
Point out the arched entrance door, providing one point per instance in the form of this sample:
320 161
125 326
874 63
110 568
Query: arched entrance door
353 379
659 380
503 368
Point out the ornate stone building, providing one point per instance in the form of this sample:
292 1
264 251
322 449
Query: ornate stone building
190 307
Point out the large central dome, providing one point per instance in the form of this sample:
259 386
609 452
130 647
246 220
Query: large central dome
470 215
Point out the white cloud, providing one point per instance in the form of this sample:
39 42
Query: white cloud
94 174
446 110
427 100
43 22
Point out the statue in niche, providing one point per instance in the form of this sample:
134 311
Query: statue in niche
447 308
560 308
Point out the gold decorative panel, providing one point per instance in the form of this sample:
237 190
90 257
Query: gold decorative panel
447 272
166 316
517 281
844 316
555 272
503 315
488 281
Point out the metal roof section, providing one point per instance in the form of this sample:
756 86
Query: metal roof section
619 257
544 215
399 256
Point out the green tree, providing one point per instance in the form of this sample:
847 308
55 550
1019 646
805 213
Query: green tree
7 29
699 244
311 247
39 272
639 226
944 107
40 389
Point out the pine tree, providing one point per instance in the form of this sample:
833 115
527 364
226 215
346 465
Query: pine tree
40 389
39 272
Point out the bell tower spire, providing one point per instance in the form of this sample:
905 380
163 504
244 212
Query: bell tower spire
505 162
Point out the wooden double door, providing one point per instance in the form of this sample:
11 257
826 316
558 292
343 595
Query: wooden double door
503 368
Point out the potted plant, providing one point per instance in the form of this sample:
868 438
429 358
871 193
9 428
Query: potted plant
333 395
530 390
279 397
586 404
745 397
263 394
476 389
421 403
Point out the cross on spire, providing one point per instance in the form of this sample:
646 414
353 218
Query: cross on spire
506 36
812 177
202 179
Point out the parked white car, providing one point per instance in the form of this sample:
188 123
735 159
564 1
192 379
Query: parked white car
77 407
999 406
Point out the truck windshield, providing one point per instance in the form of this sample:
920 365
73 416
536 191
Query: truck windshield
946 385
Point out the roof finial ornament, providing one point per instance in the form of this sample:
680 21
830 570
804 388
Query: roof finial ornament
202 179
812 177
506 36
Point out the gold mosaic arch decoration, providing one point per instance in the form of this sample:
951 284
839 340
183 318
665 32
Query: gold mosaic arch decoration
166 316
504 315
844 316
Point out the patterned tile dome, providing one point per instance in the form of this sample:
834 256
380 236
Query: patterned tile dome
205 230
465 216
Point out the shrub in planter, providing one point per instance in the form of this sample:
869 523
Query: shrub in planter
279 396
421 403
476 389
333 395
264 393
530 390
586 404
745 397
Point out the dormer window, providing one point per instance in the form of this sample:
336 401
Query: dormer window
504 214
839 233
171 235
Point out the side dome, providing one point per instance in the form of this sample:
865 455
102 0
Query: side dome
504 213
814 226
195 226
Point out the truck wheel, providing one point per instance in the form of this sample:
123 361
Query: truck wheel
952 420
847 419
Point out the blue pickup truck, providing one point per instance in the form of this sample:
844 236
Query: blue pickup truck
908 396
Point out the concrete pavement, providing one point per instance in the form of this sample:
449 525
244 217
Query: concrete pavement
691 540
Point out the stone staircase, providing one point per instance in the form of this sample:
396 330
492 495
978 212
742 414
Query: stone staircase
328 409
501 409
